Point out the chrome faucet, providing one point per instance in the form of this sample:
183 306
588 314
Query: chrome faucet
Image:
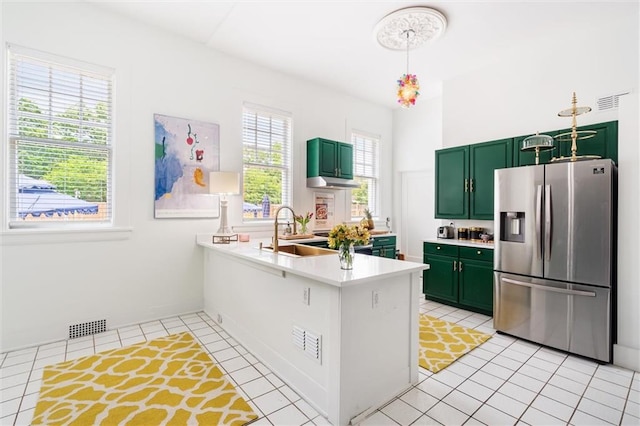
275 227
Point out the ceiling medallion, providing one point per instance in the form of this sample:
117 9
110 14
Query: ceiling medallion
406 29
427 25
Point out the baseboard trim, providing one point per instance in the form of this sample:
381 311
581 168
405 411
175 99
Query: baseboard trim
626 357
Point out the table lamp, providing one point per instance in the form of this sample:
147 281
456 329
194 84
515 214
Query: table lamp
223 184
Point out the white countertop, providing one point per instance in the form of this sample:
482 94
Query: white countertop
325 269
463 243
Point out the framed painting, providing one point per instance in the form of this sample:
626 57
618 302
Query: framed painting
186 151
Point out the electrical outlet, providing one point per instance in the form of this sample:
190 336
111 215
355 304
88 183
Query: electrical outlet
375 299
306 296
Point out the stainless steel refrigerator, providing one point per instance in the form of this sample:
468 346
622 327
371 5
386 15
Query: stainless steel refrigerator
555 255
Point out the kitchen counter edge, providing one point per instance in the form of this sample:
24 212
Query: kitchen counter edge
324 269
461 243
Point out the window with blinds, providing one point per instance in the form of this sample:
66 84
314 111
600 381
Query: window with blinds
266 153
365 172
60 141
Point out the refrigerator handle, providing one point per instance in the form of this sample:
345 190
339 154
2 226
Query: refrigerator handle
547 221
538 215
548 288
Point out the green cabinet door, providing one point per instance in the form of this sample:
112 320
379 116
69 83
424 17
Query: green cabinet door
476 284
345 160
441 279
384 246
484 159
452 183
329 158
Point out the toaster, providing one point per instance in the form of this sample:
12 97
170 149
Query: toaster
445 232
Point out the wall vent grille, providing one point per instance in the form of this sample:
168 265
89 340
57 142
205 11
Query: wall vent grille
87 328
308 342
610 102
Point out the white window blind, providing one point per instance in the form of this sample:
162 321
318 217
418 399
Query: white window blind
60 141
365 172
266 150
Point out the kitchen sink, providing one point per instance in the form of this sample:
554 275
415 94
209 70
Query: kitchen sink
301 250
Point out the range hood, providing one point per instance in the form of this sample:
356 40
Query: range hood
331 183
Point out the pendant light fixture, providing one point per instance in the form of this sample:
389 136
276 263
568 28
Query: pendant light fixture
408 85
407 29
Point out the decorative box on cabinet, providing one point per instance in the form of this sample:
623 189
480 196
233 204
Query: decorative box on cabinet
464 179
459 276
329 158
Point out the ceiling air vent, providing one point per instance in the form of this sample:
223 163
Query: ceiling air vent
609 102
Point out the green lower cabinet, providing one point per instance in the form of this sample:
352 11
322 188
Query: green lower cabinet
476 284
384 247
440 280
459 276
322 244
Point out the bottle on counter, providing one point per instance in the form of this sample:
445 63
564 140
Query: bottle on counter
287 230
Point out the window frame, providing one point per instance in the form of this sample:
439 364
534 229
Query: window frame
359 173
287 167
17 56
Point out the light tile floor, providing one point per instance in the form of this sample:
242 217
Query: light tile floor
505 381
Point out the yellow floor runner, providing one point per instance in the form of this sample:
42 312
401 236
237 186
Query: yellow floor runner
442 342
169 380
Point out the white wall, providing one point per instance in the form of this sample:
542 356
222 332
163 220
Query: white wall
627 351
522 94
152 269
417 133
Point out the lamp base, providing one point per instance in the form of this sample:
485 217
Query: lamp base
224 227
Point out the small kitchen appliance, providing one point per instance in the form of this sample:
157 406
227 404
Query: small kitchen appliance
445 232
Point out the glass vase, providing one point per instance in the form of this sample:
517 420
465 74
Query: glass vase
346 253
303 229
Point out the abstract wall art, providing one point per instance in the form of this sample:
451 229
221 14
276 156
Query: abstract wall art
186 151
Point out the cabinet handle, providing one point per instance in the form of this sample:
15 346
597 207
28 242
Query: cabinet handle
471 183
455 265
466 185
335 172
479 252
339 172
460 266
438 248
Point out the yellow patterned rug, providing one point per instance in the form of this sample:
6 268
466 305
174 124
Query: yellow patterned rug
170 380
442 342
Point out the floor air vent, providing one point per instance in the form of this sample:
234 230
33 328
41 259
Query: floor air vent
87 328
309 342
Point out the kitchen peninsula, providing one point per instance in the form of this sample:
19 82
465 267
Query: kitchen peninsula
346 341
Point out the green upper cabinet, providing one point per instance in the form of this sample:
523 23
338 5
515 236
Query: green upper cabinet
464 179
484 158
452 171
329 158
604 144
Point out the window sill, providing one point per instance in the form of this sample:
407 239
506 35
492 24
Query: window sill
51 236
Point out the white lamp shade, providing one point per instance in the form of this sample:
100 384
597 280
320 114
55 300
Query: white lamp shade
224 183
